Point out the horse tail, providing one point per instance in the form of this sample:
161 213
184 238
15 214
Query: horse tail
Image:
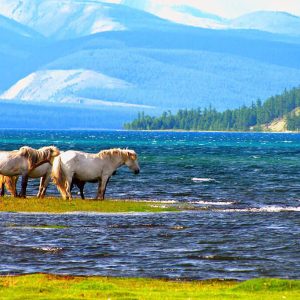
13 187
10 183
58 176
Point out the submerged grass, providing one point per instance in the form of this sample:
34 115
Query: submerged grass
43 286
58 205
44 226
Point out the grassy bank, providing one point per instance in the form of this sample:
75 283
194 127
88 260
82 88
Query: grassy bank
42 286
57 205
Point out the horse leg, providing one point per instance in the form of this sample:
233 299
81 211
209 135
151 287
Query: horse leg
24 186
80 184
102 188
44 182
63 194
81 187
81 192
2 189
68 188
40 187
15 192
99 189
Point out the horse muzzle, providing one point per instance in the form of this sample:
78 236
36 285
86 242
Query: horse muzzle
137 171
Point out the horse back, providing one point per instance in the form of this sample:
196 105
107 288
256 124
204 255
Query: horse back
11 163
86 166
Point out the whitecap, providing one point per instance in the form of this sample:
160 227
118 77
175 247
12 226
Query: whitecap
217 203
49 249
196 179
269 209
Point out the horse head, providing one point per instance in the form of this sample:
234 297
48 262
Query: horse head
49 153
130 160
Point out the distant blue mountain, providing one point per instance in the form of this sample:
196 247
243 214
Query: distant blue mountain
14 27
189 14
192 11
269 21
18 44
144 63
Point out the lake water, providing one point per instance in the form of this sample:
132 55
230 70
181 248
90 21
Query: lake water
245 185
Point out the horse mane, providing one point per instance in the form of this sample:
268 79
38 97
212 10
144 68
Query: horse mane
35 156
124 153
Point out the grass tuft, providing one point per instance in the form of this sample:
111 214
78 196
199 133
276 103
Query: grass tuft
269 284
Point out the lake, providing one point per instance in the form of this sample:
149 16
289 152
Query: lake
245 187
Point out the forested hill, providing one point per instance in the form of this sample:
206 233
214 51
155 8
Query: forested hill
257 117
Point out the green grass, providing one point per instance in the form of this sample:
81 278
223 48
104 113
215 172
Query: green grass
43 286
57 205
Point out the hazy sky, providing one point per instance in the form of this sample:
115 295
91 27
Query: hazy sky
235 8
229 8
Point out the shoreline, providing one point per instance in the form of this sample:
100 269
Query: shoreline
77 206
145 130
210 131
56 205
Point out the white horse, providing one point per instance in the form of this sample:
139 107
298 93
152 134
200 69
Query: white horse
43 172
24 161
86 167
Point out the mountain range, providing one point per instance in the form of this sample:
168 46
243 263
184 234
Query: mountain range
130 57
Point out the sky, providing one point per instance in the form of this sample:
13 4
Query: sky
229 8
235 8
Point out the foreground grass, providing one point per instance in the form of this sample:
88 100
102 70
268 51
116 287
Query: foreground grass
57 205
43 286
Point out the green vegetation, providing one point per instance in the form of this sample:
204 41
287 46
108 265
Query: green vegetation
44 226
43 286
57 205
241 119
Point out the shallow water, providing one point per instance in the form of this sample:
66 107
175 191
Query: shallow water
246 184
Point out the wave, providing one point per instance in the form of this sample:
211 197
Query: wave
196 179
269 209
217 203
48 249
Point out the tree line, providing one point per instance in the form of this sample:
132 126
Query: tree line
244 118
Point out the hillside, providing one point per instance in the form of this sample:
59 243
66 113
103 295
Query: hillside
288 122
75 18
18 46
275 22
277 114
114 55
277 125
190 14
165 67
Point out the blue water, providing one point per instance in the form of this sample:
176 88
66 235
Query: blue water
244 186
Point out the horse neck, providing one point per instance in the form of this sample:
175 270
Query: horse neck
117 161
39 160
